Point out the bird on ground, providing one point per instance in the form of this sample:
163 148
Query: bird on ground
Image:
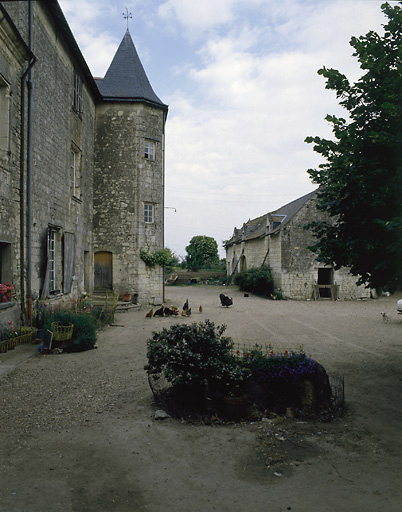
159 312
200 309
175 310
185 307
168 312
150 314
184 312
188 311
385 317
226 301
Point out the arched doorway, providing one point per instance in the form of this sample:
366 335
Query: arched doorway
103 277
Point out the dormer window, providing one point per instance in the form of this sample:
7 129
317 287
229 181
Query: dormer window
277 221
149 150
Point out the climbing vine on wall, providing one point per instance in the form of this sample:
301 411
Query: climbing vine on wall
162 257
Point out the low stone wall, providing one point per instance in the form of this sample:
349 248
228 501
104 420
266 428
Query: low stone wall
203 276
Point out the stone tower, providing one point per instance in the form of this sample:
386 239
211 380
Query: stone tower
128 178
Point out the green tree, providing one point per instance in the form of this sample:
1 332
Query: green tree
360 185
202 252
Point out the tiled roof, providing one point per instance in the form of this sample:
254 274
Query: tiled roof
126 80
289 210
256 228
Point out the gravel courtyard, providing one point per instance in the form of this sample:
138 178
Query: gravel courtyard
78 433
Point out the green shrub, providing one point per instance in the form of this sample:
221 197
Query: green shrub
84 334
256 280
194 355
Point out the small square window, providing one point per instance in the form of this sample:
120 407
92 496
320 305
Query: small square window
148 213
149 150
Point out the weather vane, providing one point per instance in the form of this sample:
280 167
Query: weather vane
127 16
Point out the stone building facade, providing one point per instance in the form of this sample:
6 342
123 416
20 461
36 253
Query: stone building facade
129 164
73 177
279 240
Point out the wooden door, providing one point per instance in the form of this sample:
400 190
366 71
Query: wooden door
103 277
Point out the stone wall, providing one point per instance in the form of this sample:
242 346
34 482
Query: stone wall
13 57
130 181
299 272
294 267
56 129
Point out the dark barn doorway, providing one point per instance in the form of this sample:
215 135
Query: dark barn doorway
325 277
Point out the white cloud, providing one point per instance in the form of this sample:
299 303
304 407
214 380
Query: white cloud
243 95
236 144
197 17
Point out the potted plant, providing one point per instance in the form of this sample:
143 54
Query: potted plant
126 297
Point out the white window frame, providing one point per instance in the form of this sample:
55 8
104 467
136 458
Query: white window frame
149 150
149 213
52 254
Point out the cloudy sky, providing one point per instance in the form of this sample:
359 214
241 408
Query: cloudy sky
240 78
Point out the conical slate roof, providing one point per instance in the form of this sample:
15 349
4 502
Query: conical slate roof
126 80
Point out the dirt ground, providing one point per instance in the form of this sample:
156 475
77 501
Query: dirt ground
78 431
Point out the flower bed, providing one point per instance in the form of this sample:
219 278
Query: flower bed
10 337
196 365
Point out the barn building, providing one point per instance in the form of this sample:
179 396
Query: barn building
279 240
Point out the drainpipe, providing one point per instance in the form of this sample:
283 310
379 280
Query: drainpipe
26 318
29 172
163 201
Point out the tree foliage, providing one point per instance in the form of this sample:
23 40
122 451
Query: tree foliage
360 185
202 252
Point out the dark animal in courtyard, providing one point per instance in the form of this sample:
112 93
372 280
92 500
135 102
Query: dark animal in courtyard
226 301
159 312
